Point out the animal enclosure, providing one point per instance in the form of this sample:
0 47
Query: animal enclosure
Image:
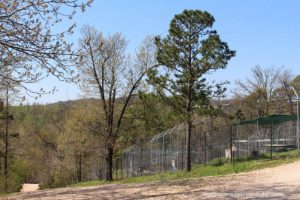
211 139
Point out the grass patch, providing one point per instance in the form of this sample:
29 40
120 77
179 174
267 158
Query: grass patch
4 194
215 167
88 183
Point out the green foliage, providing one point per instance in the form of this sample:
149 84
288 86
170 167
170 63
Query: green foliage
147 116
16 176
60 177
77 145
35 151
296 82
190 51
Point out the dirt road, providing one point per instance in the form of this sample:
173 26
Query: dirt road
281 182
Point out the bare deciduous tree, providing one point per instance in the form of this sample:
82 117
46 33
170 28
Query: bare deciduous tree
261 86
285 92
27 38
107 71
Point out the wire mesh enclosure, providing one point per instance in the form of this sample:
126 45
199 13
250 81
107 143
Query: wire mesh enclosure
166 151
211 139
252 139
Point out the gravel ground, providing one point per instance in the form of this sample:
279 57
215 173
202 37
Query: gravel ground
281 182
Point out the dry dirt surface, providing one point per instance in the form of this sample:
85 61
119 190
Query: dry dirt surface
27 187
281 182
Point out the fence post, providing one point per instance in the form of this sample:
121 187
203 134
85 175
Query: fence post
164 153
140 168
238 141
122 167
205 148
248 149
177 149
132 167
272 141
182 161
231 143
149 167
127 167
116 168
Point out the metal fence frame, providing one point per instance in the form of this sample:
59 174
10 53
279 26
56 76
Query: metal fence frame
211 139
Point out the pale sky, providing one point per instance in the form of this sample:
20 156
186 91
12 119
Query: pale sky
263 32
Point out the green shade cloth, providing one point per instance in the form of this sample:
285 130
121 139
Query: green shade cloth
273 119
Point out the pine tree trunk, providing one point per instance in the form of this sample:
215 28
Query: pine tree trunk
188 147
189 130
109 164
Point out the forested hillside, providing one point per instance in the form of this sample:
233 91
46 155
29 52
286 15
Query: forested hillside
58 144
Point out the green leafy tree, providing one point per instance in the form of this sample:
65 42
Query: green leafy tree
190 51
77 144
295 82
40 127
7 133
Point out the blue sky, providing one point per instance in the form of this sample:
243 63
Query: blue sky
263 32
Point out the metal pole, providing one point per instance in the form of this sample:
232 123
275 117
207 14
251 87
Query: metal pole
238 141
272 141
248 149
257 138
257 129
127 165
177 149
297 132
122 167
116 168
231 143
164 154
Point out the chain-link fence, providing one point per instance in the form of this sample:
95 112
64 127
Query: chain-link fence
253 140
166 151
211 139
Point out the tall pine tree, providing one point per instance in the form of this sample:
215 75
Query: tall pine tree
190 51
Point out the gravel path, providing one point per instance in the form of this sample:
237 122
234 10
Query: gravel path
281 182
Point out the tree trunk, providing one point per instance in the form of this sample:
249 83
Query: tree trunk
109 164
188 147
80 169
78 164
189 127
